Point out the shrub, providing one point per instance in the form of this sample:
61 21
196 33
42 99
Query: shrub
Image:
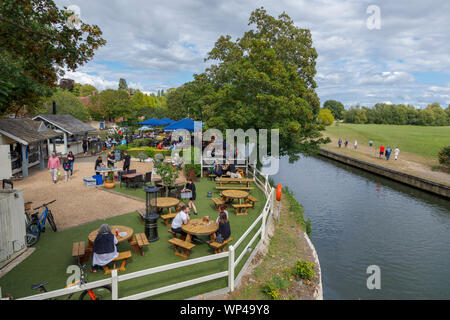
444 156
196 167
304 270
271 291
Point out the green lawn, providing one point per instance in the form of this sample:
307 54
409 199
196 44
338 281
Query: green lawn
53 254
420 140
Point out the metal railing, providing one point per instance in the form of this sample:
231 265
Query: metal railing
262 182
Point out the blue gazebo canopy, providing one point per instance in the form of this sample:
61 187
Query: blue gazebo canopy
167 120
153 122
186 123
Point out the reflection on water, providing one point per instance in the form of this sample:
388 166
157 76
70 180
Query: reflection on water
360 219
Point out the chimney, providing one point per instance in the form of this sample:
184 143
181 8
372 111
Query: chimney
54 107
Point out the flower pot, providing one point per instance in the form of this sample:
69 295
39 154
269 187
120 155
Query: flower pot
109 184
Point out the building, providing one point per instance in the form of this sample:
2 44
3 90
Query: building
72 130
23 144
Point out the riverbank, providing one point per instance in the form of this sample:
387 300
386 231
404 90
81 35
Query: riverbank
272 268
409 179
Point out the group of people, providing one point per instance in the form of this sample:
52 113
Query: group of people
229 170
383 151
54 166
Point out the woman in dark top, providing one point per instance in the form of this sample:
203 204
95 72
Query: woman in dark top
111 159
126 161
224 227
98 163
191 186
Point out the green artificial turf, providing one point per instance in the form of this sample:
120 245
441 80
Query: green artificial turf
53 253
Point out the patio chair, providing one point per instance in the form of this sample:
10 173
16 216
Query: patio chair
148 177
137 181
131 171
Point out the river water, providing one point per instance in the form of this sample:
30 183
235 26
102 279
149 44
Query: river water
360 219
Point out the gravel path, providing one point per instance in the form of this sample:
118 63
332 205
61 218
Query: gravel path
76 204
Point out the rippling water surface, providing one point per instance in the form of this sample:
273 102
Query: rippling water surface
360 219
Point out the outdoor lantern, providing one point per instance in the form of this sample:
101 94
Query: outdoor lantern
151 216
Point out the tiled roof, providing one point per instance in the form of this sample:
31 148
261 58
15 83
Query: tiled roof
26 131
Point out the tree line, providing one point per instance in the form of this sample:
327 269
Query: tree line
399 114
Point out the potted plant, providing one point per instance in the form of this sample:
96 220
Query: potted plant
167 173
109 181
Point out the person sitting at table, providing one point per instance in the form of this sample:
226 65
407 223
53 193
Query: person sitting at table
105 249
111 159
224 231
217 170
98 163
191 186
222 208
181 218
230 170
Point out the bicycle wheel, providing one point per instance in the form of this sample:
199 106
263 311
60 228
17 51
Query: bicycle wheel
51 220
101 293
33 232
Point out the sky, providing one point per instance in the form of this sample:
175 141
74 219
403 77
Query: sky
368 51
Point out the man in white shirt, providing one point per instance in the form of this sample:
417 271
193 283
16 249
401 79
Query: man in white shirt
396 152
181 218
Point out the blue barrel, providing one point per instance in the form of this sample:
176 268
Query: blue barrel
98 178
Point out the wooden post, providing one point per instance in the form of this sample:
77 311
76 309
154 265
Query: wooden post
41 157
263 225
24 161
66 150
114 285
231 268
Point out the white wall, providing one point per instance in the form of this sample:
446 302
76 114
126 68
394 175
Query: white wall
5 161
12 225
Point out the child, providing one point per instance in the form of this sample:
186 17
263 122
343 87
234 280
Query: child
66 167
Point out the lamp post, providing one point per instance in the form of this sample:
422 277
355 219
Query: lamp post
151 217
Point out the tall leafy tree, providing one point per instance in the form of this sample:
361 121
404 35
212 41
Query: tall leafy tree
123 84
67 103
336 108
36 45
265 79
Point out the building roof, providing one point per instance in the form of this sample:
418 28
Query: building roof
65 122
26 131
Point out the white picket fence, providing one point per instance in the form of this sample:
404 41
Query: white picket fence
262 182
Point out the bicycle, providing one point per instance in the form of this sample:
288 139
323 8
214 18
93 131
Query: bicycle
37 224
92 294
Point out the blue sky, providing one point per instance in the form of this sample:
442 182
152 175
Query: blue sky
159 45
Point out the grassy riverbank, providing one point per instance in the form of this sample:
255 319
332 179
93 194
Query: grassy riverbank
275 275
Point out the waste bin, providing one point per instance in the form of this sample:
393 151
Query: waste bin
98 179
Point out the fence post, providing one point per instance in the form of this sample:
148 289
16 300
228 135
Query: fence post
265 185
231 268
115 285
263 223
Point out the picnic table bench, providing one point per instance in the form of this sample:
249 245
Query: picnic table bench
239 207
167 218
220 247
185 247
222 181
138 242
79 251
235 188
217 202
251 199
123 256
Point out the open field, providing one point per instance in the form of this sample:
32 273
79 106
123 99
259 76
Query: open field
418 147
422 141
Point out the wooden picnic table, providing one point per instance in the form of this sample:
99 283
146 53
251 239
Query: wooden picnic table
120 229
166 202
230 195
166 187
198 227
225 180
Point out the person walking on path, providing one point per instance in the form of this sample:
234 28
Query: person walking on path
388 153
396 152
85 145
66 167
356 144
340 142
381 151
70 160
370 143
191 187
346 143
53 165
126 161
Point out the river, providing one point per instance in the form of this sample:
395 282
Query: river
360 219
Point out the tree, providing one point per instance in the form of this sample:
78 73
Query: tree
265 80
114 103
36 46
326 117
87 90
336 108
68 103
123 84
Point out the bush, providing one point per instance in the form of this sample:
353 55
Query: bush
444 156
304 270
271 291
196 167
